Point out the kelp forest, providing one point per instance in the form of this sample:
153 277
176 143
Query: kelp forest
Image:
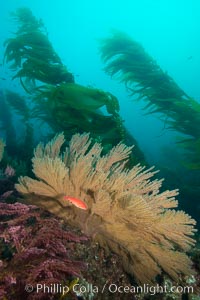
76 190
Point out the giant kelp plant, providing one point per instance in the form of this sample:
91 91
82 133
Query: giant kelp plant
76 108
31 53
62 104
127 60
126 211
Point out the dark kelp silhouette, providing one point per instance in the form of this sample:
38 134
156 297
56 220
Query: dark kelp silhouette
19 142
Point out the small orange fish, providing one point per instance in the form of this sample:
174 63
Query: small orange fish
78 203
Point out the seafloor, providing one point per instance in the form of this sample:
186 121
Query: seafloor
98 275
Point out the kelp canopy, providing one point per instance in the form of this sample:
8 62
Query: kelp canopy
57 99
31 53
128 61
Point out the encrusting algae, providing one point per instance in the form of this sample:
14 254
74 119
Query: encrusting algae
126 212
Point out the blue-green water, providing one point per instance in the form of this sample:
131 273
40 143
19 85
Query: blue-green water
169 32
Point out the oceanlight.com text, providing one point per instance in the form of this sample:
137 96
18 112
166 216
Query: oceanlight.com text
111 288
148 289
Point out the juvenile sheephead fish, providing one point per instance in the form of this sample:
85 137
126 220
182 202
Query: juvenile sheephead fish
77 202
